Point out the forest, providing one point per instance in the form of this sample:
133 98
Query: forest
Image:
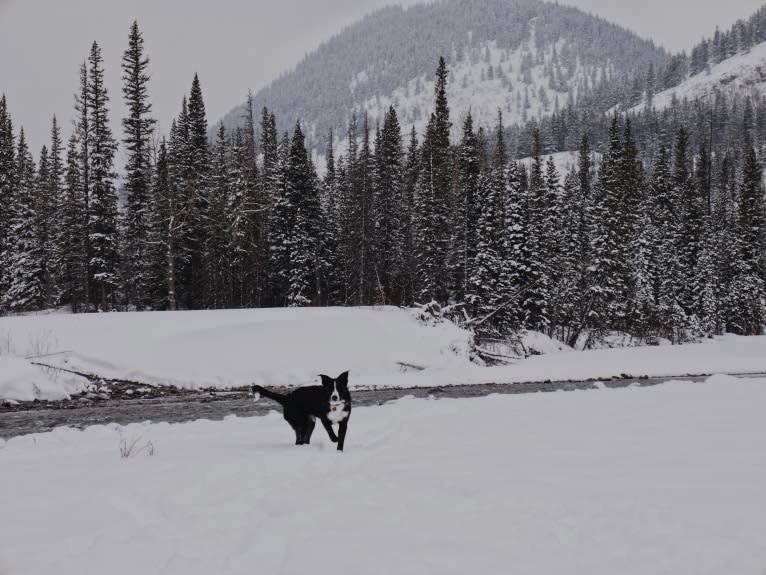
657 232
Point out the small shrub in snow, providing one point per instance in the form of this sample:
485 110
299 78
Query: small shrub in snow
133 448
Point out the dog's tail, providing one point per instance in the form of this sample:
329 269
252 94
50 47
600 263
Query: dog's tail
279 398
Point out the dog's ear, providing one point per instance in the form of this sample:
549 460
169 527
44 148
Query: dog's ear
342 379
326 381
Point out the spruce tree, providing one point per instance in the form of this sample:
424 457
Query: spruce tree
137 128
608 269
26 277
281 226
389 196
411 176
300 188
56 193
45 218
196 270
219 226
331 203
166 224
515 252
537 289
84 136
747 289
269 184
467 208
72 237
102 200
434 198
7 193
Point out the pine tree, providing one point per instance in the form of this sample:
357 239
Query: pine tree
552 246
84 135
102 202
193 159
579 212
613 233
467 201
137 126
26 283
668 281
166 225
172 183
269 183
56 193
537 289
7 193
411 176
389 248
363 282
689 214
486 282
44 204
300 188
72 237
434 198
281 226
250 229
747 289
331 202
515 250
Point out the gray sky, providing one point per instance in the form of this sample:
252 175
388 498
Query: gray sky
233 44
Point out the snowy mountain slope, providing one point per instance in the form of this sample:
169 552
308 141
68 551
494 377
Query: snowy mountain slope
516 82
520 56
742 74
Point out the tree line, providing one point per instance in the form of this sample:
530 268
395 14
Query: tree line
672 247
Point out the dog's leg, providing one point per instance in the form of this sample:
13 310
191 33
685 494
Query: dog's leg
309 429
330 431
342 427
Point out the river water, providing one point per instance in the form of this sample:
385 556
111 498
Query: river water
217 405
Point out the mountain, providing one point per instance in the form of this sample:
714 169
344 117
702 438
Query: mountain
524 57
731 63
743 74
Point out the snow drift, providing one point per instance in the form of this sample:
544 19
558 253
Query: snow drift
381 346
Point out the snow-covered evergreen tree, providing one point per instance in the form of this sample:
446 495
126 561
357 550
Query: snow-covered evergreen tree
433 199
72 236
138 127
303 198
26 276
7 193
467 211
102 197
389 234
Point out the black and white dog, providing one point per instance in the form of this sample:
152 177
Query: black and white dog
329 402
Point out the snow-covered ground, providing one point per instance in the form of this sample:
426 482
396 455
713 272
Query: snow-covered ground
292 346
663 480
236 347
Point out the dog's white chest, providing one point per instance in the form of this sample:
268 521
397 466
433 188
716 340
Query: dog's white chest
337 412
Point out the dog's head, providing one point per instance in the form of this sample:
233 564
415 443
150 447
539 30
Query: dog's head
336 388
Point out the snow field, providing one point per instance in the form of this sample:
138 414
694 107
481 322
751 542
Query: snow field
237 347
662 480
290 347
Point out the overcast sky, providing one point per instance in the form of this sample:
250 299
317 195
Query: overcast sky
234 45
